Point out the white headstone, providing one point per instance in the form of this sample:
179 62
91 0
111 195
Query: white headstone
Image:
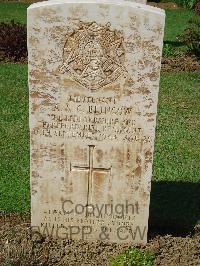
94 70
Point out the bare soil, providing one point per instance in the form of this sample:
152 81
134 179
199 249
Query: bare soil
19 247
168 5
180 63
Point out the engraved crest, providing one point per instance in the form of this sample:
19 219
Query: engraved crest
94 55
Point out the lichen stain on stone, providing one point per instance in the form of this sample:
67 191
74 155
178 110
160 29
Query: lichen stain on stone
148 158
156 57
119 157
78 12
40 76
34 155
144 196
129 82
149 47
48 15
114 87
104 7
148 105
56 32
136 187
134 21
149 114
36 94
34 185
99 156
34 174
105 10
138 169
67 188
62 152
128 154
33 192
153 76
46 99
34 182
143 90
68 82
99 180
33 41
34 107
44 192
79 154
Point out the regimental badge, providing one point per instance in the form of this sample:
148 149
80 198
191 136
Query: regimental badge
94 55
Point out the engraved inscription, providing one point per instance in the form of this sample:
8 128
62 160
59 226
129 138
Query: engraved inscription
94 55
91 170
92 118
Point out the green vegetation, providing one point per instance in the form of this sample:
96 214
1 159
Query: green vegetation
13 10
14 142
170 50
186 3
176 150
190 4
176 23
175 193
133 257
191 36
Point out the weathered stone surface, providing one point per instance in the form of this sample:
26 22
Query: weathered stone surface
138 1
93 80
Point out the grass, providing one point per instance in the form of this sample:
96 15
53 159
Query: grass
175 196
175 193
133 257
13 10
177 128
14 142
176 22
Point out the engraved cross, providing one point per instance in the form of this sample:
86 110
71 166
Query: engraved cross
91 170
